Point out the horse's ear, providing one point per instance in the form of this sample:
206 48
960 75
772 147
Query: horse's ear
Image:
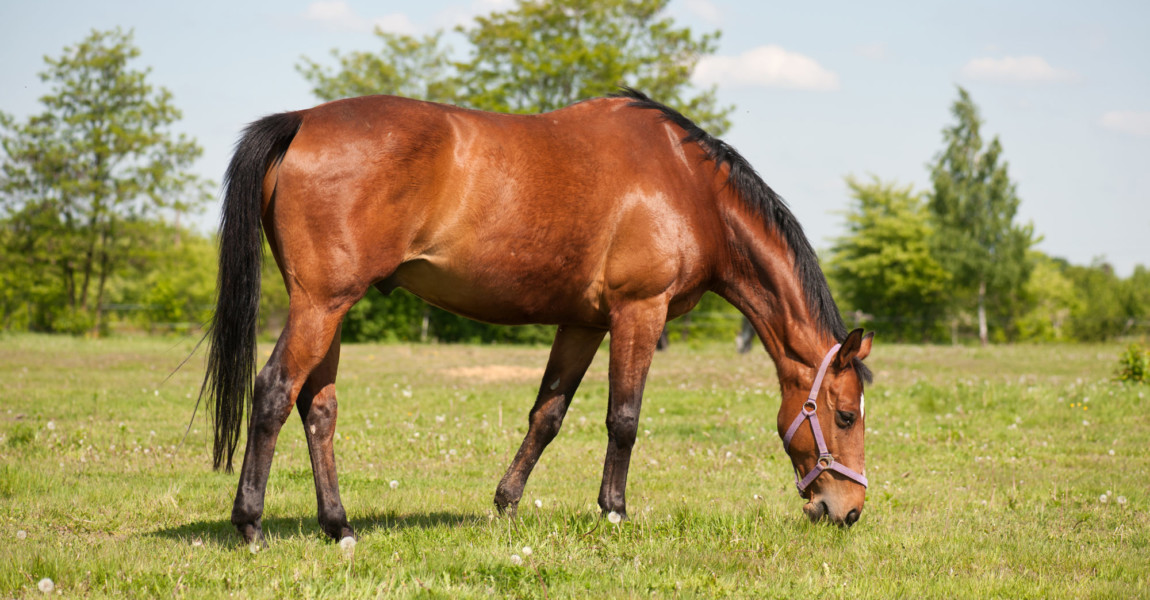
855 346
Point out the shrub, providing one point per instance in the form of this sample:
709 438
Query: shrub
1133 364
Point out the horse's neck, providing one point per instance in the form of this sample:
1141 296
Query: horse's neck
761 283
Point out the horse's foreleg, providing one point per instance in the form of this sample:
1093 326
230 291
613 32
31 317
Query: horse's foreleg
302 346
571 354
318 410
635 330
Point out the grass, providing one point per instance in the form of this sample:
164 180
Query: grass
1014 472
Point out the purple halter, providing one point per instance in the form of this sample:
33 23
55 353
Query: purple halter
826 461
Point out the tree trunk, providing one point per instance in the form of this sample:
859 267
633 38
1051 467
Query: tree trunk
982 335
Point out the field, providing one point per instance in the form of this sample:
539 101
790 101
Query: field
1018 471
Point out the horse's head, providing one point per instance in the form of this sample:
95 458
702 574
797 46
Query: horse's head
822 423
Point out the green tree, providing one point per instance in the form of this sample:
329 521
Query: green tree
1052 298
536 57
1100 313
404 66
883 266
77 179
973 205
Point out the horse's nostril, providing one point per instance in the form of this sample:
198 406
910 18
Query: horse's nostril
852 517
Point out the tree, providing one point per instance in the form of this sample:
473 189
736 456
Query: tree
973 205
883 266
405 66
1052 299
77 179
536 57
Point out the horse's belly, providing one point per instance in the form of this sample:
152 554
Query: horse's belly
506 293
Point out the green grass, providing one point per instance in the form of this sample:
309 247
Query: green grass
987 480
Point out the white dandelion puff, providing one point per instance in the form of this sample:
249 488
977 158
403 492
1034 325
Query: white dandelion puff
1121 499
21 534
51 425
527 551
515 560
1103 498
538 504
1111 452
347 544
614 517
394 484
45 585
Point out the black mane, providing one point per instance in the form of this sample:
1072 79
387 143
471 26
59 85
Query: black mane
761 199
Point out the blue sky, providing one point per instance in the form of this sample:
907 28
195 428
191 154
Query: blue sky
822 91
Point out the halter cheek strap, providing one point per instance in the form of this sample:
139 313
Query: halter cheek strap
826 461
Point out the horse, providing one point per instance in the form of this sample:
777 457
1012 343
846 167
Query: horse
612 215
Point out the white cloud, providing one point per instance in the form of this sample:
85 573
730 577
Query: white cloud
766 66
1016 70
459 15
1131 122
705 10
337 15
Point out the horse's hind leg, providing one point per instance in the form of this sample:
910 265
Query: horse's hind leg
571 354
302 346
318 410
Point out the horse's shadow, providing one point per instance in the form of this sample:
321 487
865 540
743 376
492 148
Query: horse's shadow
221 532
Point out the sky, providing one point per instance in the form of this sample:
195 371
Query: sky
822 91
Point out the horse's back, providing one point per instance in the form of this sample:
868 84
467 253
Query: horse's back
504 218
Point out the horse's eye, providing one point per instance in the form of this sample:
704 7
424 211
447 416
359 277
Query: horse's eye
845 418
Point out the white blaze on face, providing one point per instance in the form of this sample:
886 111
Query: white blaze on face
862 405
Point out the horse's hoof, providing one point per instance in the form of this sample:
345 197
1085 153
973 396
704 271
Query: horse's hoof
507 509
253 536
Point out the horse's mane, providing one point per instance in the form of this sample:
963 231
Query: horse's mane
763 201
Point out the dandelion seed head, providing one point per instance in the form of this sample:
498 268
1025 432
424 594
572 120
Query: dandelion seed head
614 517
1111 452
394 484
347 544
527 551
45 585
51 425
1103 498
21 534
538 504
516 560
1121 499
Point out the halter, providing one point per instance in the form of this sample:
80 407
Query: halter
826 461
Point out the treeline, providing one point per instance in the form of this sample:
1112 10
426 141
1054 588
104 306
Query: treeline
93 191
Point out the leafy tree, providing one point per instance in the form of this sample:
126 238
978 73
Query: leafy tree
1101 312
536 57
973 205
405 66
1052 298
78 179
883 266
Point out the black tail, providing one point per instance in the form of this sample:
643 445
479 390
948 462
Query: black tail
231 368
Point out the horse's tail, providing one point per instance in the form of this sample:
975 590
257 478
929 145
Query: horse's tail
230 376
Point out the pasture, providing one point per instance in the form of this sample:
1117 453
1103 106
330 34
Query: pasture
1015 471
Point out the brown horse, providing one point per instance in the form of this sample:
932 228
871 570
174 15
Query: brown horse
612 215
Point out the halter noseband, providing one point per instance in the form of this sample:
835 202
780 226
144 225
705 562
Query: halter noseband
826 461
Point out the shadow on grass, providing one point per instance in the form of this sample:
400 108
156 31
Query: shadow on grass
221 532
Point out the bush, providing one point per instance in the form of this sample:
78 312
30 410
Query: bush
1133 364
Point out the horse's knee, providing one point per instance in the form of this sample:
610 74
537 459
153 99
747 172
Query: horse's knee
622 425
548 419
